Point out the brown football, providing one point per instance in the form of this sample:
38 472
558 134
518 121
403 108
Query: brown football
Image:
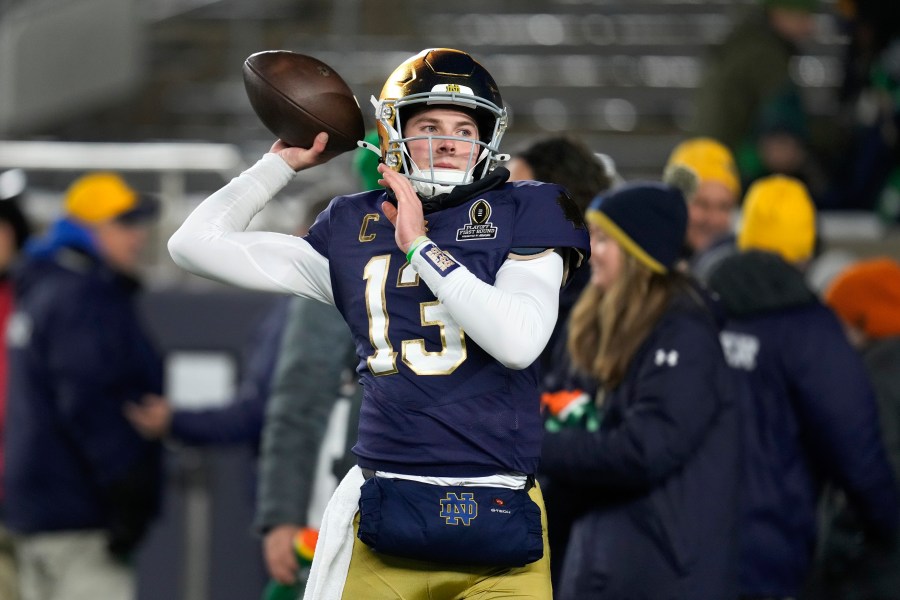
297 96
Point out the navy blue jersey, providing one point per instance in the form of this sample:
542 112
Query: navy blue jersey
434 402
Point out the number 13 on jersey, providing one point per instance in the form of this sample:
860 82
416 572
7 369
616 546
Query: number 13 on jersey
431 314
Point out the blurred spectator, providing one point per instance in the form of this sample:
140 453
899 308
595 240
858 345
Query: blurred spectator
240 420
781 144
286 384
659 476
81 485
866 297
713 193
567 161
867 172
779 218
746 86
312 403
297 472
871 26
811 417
14 230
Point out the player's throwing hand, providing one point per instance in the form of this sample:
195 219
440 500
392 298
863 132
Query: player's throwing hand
407 217
303 158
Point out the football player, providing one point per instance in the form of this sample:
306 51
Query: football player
449 279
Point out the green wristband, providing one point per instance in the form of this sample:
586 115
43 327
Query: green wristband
416 243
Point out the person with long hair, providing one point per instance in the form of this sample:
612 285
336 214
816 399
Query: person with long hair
659 475
568 161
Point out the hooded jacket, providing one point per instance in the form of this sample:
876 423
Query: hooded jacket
810 417
77 355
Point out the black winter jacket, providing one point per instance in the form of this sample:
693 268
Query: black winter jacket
77 355
810 418
660 476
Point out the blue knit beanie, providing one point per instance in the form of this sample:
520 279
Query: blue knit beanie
647 219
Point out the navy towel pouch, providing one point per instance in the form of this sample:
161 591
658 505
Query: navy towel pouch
463 525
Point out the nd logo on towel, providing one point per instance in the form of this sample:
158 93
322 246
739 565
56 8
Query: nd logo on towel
460 508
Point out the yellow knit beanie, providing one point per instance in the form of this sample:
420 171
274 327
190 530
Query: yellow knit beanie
709 160
779 216
98 197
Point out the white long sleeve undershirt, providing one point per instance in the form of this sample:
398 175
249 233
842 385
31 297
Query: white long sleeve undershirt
213 241
511 319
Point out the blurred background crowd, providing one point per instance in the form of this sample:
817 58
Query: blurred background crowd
736 91
628 77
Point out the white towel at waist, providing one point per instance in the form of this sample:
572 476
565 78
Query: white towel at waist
335 545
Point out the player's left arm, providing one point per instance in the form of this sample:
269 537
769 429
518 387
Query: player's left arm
512 320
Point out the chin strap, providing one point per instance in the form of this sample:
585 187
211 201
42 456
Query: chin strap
462 193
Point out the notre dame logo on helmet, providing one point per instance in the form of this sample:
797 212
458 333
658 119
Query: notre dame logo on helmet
459 509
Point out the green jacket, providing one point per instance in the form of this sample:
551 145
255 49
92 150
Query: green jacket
314 365
749 69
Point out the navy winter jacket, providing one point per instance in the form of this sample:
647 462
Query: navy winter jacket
77 355
659 477
810 417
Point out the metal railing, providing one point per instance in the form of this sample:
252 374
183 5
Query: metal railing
169 162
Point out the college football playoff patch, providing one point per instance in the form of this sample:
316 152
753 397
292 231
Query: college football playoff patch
479 226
